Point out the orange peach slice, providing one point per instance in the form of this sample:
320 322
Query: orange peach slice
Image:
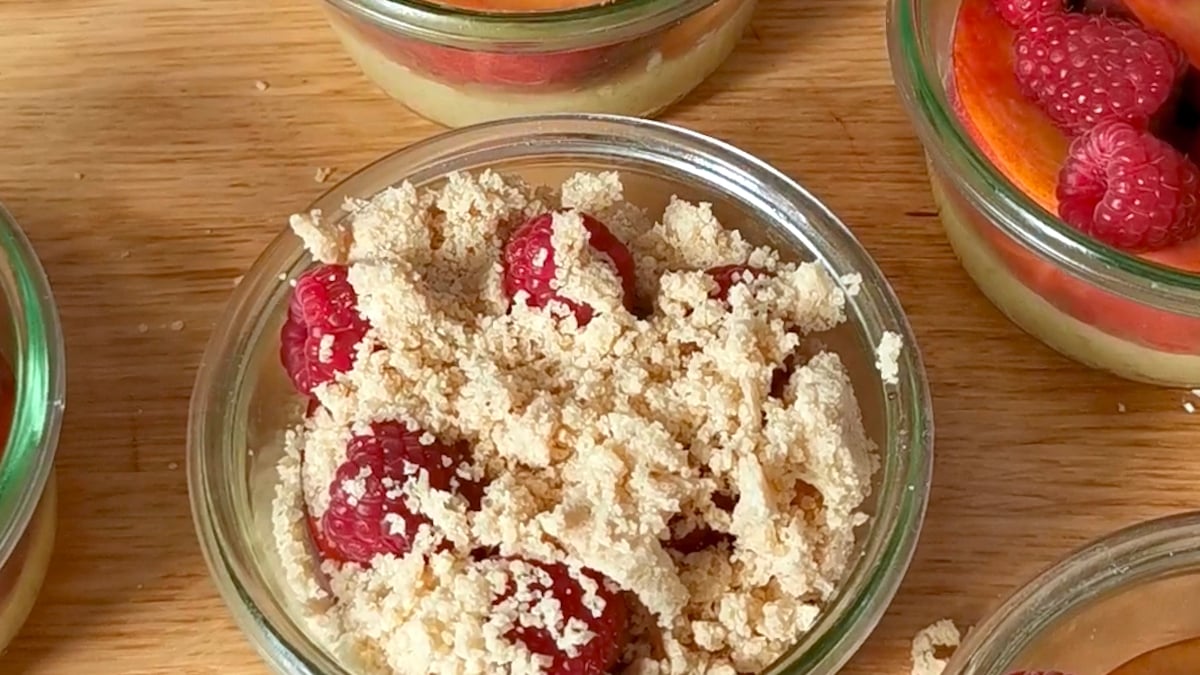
1177 19
1010 129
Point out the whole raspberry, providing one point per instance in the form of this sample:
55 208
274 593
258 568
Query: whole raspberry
1084 69
1017 13
367 513
727 276
529 264
537 590
322 327
1129 189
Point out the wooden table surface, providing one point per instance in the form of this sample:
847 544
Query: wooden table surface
149 171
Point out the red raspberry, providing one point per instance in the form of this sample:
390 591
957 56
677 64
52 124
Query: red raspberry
600 653
529 263
1083 69
366 498
1129 189
727 276
1017 13
322 316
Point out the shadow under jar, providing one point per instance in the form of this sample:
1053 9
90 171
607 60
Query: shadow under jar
1110 310
464 63
1123 605
243 402
32 389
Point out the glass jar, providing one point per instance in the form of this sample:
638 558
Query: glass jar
243 402
463 66
32 390
1115 600
1110 310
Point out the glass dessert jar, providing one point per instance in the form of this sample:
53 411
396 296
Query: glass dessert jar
243 402
1110 310
464 62
1113 603
32 389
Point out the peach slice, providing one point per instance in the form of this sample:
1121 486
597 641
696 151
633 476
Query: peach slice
1177 19
1010 129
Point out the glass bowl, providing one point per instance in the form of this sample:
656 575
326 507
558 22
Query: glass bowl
32 390
242 400
1113 601
1104 308
463 66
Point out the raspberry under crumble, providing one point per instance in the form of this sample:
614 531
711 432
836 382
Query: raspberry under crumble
571 439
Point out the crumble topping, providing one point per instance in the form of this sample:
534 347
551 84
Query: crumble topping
942 635
595 442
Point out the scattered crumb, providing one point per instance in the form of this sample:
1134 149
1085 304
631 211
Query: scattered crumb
1120 407
238 280
1196 393
78 176
887 356
124 254
262 85
142 328
140 586
177 325
1189 407
322 174
173 465
943 635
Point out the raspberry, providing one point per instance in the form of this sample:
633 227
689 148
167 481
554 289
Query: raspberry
727 276
322 327
1084 69
367 514
1129 189
1017 13
595 657
529 263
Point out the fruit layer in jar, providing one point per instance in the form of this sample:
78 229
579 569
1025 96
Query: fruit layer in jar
1117 163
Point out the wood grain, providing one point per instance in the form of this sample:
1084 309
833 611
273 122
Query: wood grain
188 171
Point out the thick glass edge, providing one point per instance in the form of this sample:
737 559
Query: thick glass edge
39 369
1103 565
950 147
868 593
543 31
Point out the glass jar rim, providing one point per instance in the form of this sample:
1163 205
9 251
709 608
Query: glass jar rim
38 369
947 143
603 23
906 459
1135 553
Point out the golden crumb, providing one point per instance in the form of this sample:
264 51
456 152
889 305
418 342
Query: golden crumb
596 442
939 636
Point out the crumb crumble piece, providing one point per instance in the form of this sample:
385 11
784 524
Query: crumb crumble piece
887 356
938 636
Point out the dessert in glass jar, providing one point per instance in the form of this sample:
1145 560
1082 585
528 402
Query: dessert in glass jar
460 62
1062 140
